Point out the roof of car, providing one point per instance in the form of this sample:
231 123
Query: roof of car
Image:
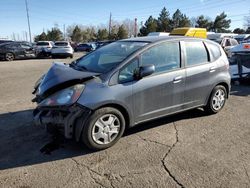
13 42
44 41
152 39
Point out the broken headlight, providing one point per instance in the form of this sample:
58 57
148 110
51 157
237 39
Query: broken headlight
66 96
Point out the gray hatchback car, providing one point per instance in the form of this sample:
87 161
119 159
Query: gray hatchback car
95 98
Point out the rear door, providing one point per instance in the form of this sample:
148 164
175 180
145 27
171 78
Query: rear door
199 71
162 92
27 50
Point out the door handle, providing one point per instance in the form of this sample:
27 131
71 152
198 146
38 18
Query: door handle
177 79
212 69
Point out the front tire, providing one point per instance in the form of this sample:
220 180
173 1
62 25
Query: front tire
216 100
9 56
103 129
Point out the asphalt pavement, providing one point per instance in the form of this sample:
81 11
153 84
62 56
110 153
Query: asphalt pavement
189 149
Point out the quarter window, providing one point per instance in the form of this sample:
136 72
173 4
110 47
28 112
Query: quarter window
215 52
164 56
196 53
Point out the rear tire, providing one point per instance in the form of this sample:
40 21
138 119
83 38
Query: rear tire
9 56
103 128
216 100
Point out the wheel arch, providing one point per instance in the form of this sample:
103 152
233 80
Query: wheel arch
223 83
122 109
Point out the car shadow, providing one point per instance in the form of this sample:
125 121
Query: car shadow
241 90
22 143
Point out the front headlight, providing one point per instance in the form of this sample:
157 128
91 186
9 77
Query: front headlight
66 96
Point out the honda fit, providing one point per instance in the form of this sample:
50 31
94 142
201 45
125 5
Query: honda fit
95 98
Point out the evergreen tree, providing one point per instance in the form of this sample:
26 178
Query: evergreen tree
203 22
248 30
54 34
184 22
221 24
76 34
175 22
41 37
149 26
163 22
239 31
113 33
102 34
122 32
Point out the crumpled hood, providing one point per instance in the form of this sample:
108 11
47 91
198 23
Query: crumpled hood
61 76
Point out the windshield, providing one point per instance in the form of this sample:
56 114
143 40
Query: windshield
109 56
42 44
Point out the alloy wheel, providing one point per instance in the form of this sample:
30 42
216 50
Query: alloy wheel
218 99
9 57
106 129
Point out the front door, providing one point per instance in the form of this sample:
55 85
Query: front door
162 92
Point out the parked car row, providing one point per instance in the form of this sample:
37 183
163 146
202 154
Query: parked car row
10 50
16 50
24 50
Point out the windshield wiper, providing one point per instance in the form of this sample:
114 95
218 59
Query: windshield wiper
82 68
77 67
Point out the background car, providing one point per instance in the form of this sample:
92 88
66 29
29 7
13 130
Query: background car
240 62
85 47
227 43
241 38
43 48
17 50
63 49
104 43
5 41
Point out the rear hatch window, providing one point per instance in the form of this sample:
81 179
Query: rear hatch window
42 44
61 44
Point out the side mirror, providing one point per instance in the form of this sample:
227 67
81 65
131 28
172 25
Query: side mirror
146 70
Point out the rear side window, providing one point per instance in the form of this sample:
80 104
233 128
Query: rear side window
164 56
215 52
196 53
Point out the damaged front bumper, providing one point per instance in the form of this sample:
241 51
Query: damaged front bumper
68 120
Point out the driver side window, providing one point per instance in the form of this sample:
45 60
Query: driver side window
26 46
127 73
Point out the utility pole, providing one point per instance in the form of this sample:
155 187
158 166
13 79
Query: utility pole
110 24
135 31
26 35
28 18
64 35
